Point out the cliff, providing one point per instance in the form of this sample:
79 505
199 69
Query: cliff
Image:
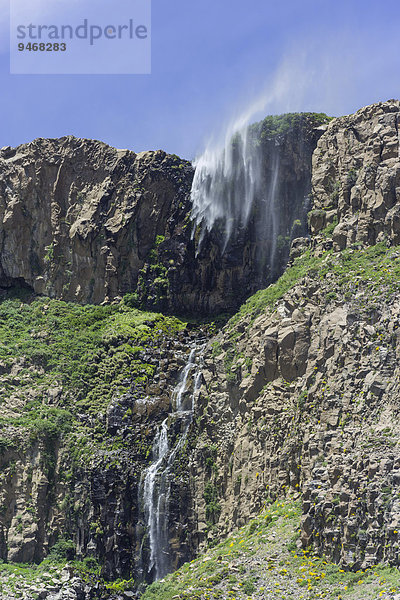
356 177
301 388
83 222
295 400
79 219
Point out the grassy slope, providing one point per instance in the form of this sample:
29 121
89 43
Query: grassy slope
91 352
367 270
259 561
262 561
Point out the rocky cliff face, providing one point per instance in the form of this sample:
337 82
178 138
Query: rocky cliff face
79 218
84 222
356 177
305 398
301 389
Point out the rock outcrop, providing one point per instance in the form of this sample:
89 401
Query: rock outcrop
301 390
79 219
84 222
356 177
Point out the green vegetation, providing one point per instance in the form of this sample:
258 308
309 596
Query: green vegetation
21 579
372 269
301 401
153 281
62 549
351 177
216 348
297 229
283 242
87 354
266 298
213 508
327 232
229 359
274 125
263 560
49 256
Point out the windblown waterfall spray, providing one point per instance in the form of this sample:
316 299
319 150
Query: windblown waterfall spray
229 178
225 183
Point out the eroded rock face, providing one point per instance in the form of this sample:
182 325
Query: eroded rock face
84 222
356 177
304 397
80 218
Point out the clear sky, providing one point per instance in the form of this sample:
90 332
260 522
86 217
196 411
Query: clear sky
210 61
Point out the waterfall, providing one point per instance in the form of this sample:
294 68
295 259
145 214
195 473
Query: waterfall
155 485
226 182
270 219
152 501
230 177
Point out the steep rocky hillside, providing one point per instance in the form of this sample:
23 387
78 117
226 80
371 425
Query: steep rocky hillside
83 391
301 389
263 560
287 415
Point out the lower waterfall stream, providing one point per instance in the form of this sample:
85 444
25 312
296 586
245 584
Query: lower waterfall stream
155 485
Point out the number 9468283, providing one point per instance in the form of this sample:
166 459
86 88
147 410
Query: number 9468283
42 47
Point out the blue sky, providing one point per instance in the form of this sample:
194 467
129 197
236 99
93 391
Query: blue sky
210 61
